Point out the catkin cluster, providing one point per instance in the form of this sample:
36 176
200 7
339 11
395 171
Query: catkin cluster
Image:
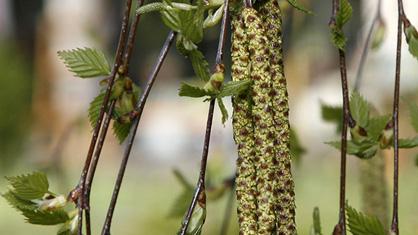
265 189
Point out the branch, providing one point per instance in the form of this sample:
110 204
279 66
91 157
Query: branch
199 193
139 109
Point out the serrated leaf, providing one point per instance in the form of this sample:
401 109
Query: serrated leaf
413 114
344 13
316 228
94 109
234 88
333 114
18 203
338 38
359 109
192 91
121 130
47 217
191 23
364 150
296 149
376 126
85 62
30 186
223 109
412 40
408 143
199 64
361 224
298 6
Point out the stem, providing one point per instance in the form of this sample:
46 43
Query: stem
139 108
395 218
118 60
200 187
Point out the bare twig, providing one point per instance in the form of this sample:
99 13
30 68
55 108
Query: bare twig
139 109
199 194
118 59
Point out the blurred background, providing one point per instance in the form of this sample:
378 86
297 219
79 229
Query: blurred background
43 121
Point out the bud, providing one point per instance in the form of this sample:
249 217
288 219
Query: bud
51 204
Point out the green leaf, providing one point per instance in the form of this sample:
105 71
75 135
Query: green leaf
85 62
363 150
121 130
412 40
359 109
296 149
18 203
181 203
413 114
376 126
191 23
151 7
94 109
361 224
344 14
200 64
316 230
379 34
69 227
30 186
197 220
223 109
408 143
338 38
171 19
46 217
333 114
192 91
298 6
234 88
213 19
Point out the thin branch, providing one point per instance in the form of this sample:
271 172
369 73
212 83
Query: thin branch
199 193
119 52
139 109
395 117
366 47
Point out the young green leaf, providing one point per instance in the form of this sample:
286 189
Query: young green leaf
191 23
223 109
359 109
52 217
376 125
333 114
361 224
85 62
121 130
199 64
408 143
197 220
234 88
181 203
413 114
363 150
412 39
213 19
379 34
298 6
30 186
316 228
343 16
296 149
18 203
94 109
151 7
192 91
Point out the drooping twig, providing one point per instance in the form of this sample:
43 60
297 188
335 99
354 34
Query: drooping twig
139 109
200 187
395 118
123 70
366 47
79 190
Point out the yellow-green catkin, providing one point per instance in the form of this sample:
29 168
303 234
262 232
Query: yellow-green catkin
243 132
284 188
262 120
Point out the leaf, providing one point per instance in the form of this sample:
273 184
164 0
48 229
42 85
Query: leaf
234 88
85 62
30 186
69 227
121 130
197 220
359 109
379 34
45 217
18 203
413 114
408 143
333 114
191 91
361 224
363 150
412 40
298 6
296 149
376 126
316 230
151 7
343 15
213 19
94 109
181 203
200 64
223 109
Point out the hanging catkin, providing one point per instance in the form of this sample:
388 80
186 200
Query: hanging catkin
264 134
243 132
285 208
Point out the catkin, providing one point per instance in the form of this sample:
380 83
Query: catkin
243 132
284 186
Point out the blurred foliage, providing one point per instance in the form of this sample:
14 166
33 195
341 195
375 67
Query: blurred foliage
15 99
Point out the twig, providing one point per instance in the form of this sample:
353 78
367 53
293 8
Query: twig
139 109
200 187
366 47
123 70
395 117
119 52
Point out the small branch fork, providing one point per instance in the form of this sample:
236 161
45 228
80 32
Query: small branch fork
199 194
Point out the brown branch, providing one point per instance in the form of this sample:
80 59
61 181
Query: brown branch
139 109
